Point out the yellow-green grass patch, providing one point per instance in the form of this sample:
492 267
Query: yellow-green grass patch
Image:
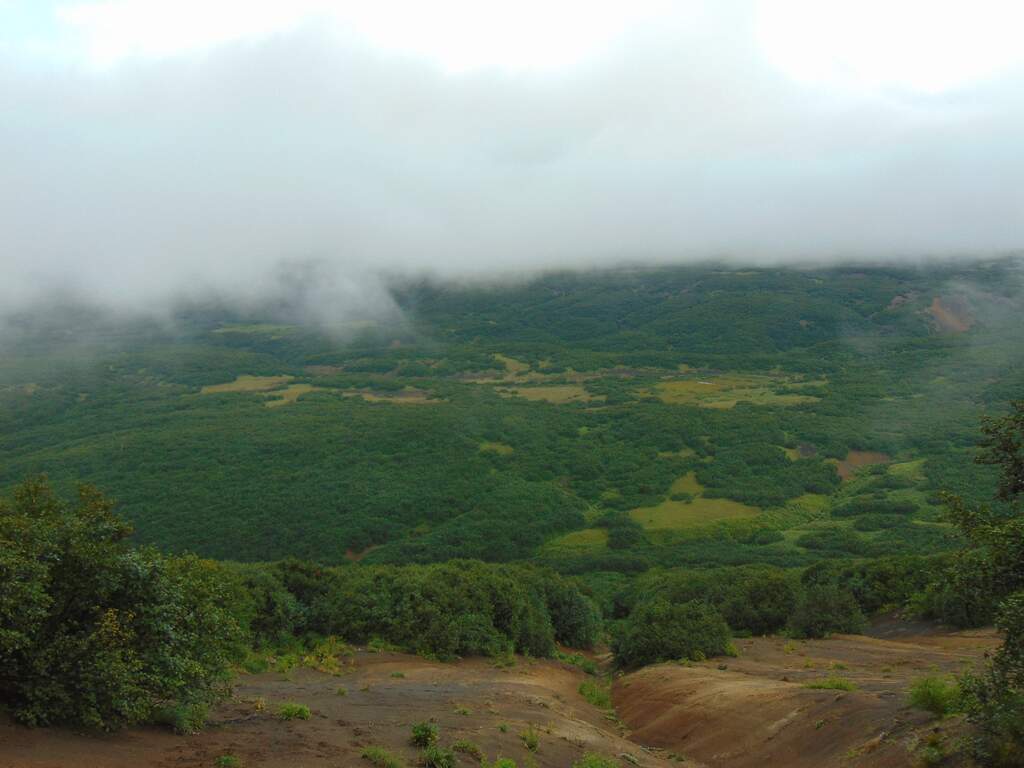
557 393
405 396
512 365
246 383
289 394
680 514
686 484
911 470
495 447
257 328
724 391
682 453
587 540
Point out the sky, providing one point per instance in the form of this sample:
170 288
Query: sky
158 149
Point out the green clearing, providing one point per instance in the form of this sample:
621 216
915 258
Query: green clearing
727 389
559 393
499 448
247 383
676 515
289 394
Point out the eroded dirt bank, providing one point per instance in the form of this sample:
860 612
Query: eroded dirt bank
755 710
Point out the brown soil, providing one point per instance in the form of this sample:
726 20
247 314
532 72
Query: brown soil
951 314
728 713
377 710
754 710
856 459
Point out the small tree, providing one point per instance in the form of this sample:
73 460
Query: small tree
95 632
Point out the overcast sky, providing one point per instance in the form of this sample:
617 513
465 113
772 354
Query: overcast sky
154 147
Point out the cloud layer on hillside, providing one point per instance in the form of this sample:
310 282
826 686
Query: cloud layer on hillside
154 177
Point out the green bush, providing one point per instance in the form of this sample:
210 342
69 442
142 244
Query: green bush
292 711
424 734
935 694
227 761
530 738
597 693
95 632
659 631
184 719
381 758
468 748
590 760
436 757
824 608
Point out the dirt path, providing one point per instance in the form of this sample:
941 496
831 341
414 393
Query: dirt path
384 695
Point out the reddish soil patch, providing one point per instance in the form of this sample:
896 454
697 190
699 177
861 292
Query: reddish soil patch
856 459
951 314
468 700
754 710
352 556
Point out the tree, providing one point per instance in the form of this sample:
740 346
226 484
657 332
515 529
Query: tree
995 547
95 632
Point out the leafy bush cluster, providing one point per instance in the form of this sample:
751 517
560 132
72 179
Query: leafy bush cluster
97 633
460 608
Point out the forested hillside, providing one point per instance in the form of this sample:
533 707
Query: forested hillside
602 421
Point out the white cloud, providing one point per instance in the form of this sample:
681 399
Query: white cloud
202 164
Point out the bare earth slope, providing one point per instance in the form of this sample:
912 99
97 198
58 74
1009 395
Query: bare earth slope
377 709
755 710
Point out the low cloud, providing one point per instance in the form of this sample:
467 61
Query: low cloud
156 180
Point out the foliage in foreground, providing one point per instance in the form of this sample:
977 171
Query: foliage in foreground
95 632
994 698
935 694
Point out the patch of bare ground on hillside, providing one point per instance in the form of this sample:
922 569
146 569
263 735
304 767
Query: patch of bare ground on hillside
951 314
856 459
754 710
469 699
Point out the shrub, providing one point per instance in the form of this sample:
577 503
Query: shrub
824 608
596 693
185 719
424 734
659 631
95 632
832 683
292 711
436 757
468 748
935 694
227 761
590 760
531 739
381 758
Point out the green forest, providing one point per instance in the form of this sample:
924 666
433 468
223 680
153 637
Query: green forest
658 459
